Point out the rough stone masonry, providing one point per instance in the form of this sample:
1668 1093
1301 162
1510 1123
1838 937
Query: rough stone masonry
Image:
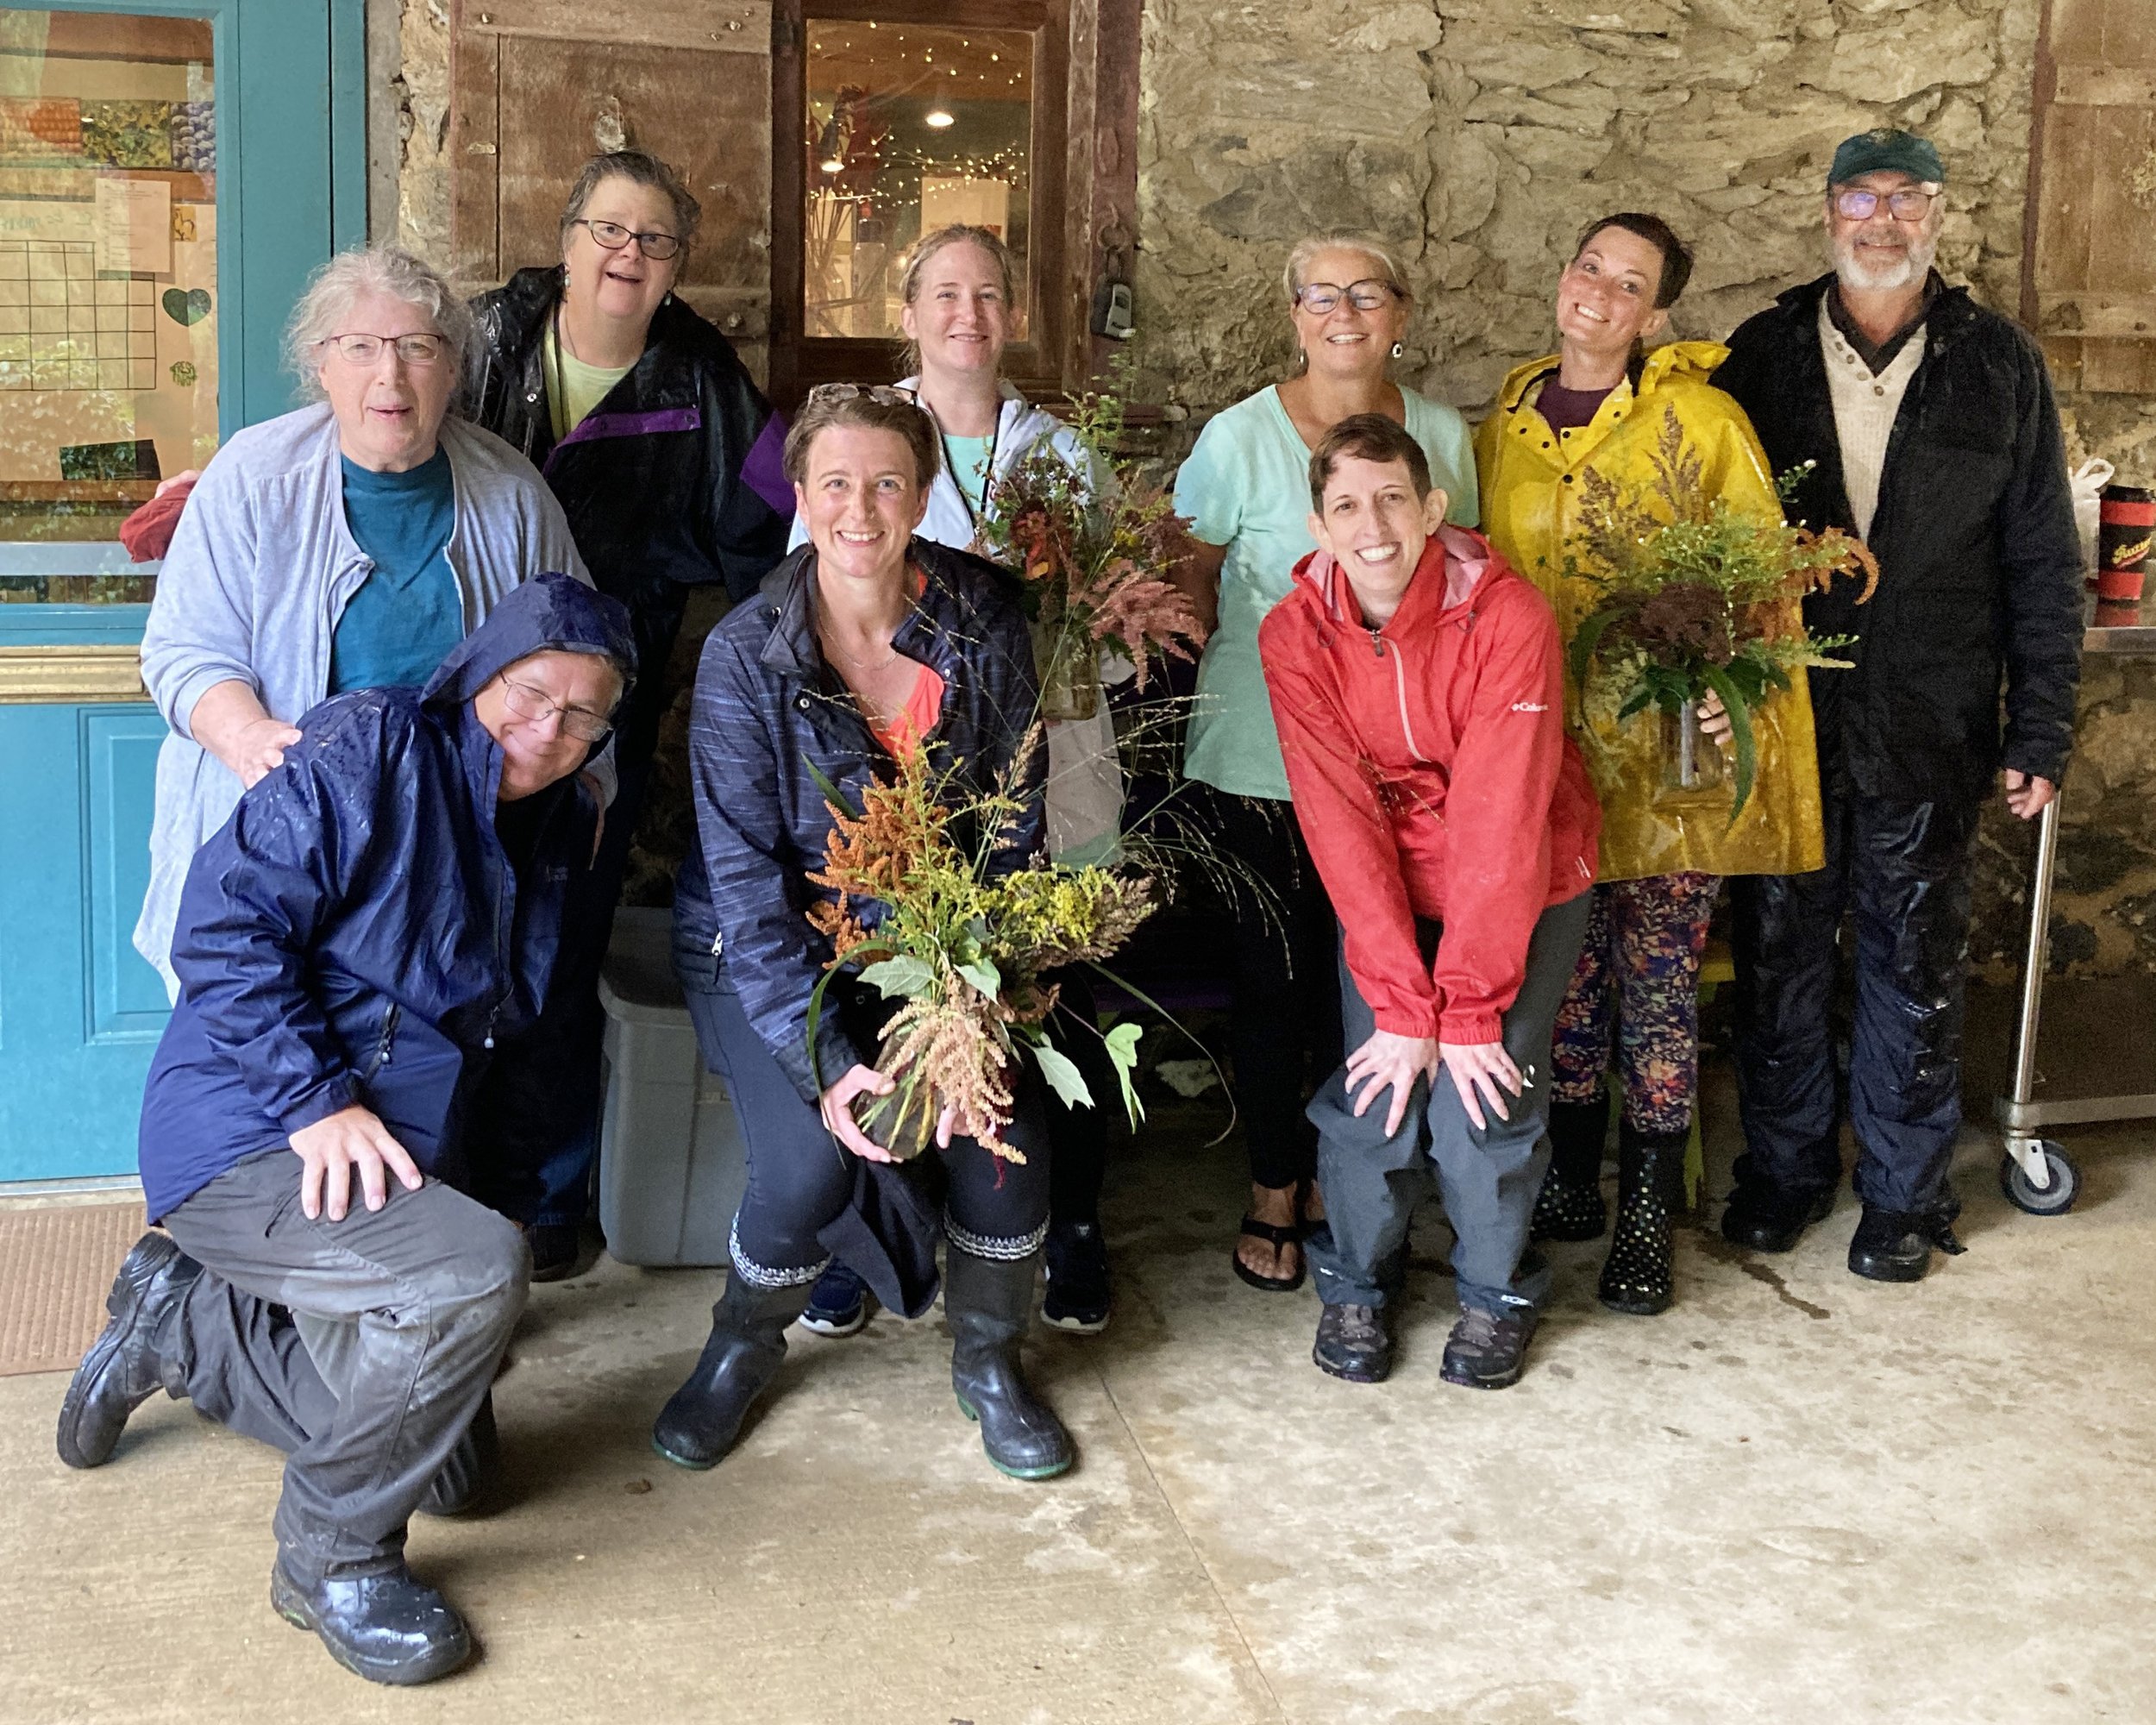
1478 135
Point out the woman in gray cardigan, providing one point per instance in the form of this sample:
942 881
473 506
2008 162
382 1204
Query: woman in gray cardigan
348 545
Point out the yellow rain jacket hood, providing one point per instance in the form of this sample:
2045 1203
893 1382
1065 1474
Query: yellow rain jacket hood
1531 484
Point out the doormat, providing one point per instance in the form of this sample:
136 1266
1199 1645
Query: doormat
56 1267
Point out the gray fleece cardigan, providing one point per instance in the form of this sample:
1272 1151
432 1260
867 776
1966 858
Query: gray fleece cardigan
261 569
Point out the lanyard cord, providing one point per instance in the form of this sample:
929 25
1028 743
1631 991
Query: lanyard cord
988 468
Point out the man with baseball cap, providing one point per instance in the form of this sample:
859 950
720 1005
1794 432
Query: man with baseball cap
1931 429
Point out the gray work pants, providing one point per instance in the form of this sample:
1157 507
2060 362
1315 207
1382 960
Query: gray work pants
405 1310
1488 1176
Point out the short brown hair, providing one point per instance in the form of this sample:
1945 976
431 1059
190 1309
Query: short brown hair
1677 256
639 167
871 407
1366 437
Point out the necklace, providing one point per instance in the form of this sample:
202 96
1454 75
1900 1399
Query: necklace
950 466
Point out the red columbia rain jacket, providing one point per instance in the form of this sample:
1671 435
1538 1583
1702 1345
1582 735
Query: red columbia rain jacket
1433 778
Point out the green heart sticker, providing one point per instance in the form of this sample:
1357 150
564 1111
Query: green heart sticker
187 305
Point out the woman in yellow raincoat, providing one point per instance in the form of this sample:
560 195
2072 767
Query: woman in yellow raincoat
1600 404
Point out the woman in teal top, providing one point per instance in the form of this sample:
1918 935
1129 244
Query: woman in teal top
1245 490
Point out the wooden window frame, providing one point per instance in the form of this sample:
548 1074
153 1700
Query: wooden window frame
1082 184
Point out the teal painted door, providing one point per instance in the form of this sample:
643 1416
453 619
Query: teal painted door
237 125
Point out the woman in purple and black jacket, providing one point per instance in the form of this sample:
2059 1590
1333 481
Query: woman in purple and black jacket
665 457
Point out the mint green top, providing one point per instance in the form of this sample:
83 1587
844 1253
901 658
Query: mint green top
1246 485
968 458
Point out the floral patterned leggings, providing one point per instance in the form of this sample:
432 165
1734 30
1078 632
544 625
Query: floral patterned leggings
1636 995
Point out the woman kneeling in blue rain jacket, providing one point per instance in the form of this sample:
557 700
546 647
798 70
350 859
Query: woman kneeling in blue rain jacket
379 911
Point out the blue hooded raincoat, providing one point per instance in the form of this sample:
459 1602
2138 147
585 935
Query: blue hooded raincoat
355 932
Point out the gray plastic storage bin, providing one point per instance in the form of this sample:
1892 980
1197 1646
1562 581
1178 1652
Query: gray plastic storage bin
672 1168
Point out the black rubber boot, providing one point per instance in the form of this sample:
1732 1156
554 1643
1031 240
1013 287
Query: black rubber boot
128 1363
473 1465
1637 1277
1570 1206
1891 1246
748 1340
989 1302
385 1627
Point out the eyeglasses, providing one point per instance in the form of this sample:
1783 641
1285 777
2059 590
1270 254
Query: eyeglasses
883 394
536 705
364 350
1320 298
612 236
1909 204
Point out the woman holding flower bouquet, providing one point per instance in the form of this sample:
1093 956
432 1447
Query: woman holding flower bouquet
868 647
1598 412
958 292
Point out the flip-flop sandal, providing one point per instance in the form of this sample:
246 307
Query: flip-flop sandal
1280 1236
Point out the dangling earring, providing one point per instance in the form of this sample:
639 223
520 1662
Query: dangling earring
1302 358
1398 350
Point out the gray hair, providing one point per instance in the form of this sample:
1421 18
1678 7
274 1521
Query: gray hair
638 168
1306 253
372 269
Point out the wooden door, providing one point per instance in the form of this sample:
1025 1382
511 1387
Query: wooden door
537 86
2089 290
171 186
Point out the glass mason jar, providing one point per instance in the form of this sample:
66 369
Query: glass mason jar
1691 760
1069 673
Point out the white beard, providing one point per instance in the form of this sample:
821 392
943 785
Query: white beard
1859 270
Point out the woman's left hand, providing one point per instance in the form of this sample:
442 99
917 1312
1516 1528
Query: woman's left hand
1482 1066
1713 717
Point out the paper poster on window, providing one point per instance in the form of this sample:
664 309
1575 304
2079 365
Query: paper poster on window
135 225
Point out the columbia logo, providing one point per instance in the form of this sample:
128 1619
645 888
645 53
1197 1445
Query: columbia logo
1531 706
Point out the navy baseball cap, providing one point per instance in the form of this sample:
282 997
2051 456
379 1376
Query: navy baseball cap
1888 148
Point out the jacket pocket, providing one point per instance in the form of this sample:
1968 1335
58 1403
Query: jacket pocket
385 1045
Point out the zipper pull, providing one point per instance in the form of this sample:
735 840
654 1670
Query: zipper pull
1377 643
490 1017
718 942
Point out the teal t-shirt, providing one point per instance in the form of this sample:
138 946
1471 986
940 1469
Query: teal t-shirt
968 458
1246 485
408 612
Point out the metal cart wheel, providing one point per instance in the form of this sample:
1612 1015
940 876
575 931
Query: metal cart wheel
2053 1199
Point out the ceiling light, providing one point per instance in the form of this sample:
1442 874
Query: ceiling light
940 118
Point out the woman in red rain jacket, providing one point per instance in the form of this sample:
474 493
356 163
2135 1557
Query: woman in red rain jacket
1415 678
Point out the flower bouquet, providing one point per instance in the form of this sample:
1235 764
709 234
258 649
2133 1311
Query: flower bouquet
1698 600
964 953
1094 557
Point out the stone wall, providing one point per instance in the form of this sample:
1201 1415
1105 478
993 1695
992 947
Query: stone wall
1476 137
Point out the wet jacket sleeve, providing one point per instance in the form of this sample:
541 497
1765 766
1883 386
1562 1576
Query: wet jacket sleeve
2040 556
751 505
767 949
258 894
1350 838
1497 818
201 627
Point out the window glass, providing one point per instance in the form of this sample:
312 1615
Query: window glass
909 128
107 273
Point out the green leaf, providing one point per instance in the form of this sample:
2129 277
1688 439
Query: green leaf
1740 733
984 975
1122 1044
1063 1076
1579 656
837 798
899 978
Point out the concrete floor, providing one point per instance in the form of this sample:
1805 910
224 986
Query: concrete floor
1797 1497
